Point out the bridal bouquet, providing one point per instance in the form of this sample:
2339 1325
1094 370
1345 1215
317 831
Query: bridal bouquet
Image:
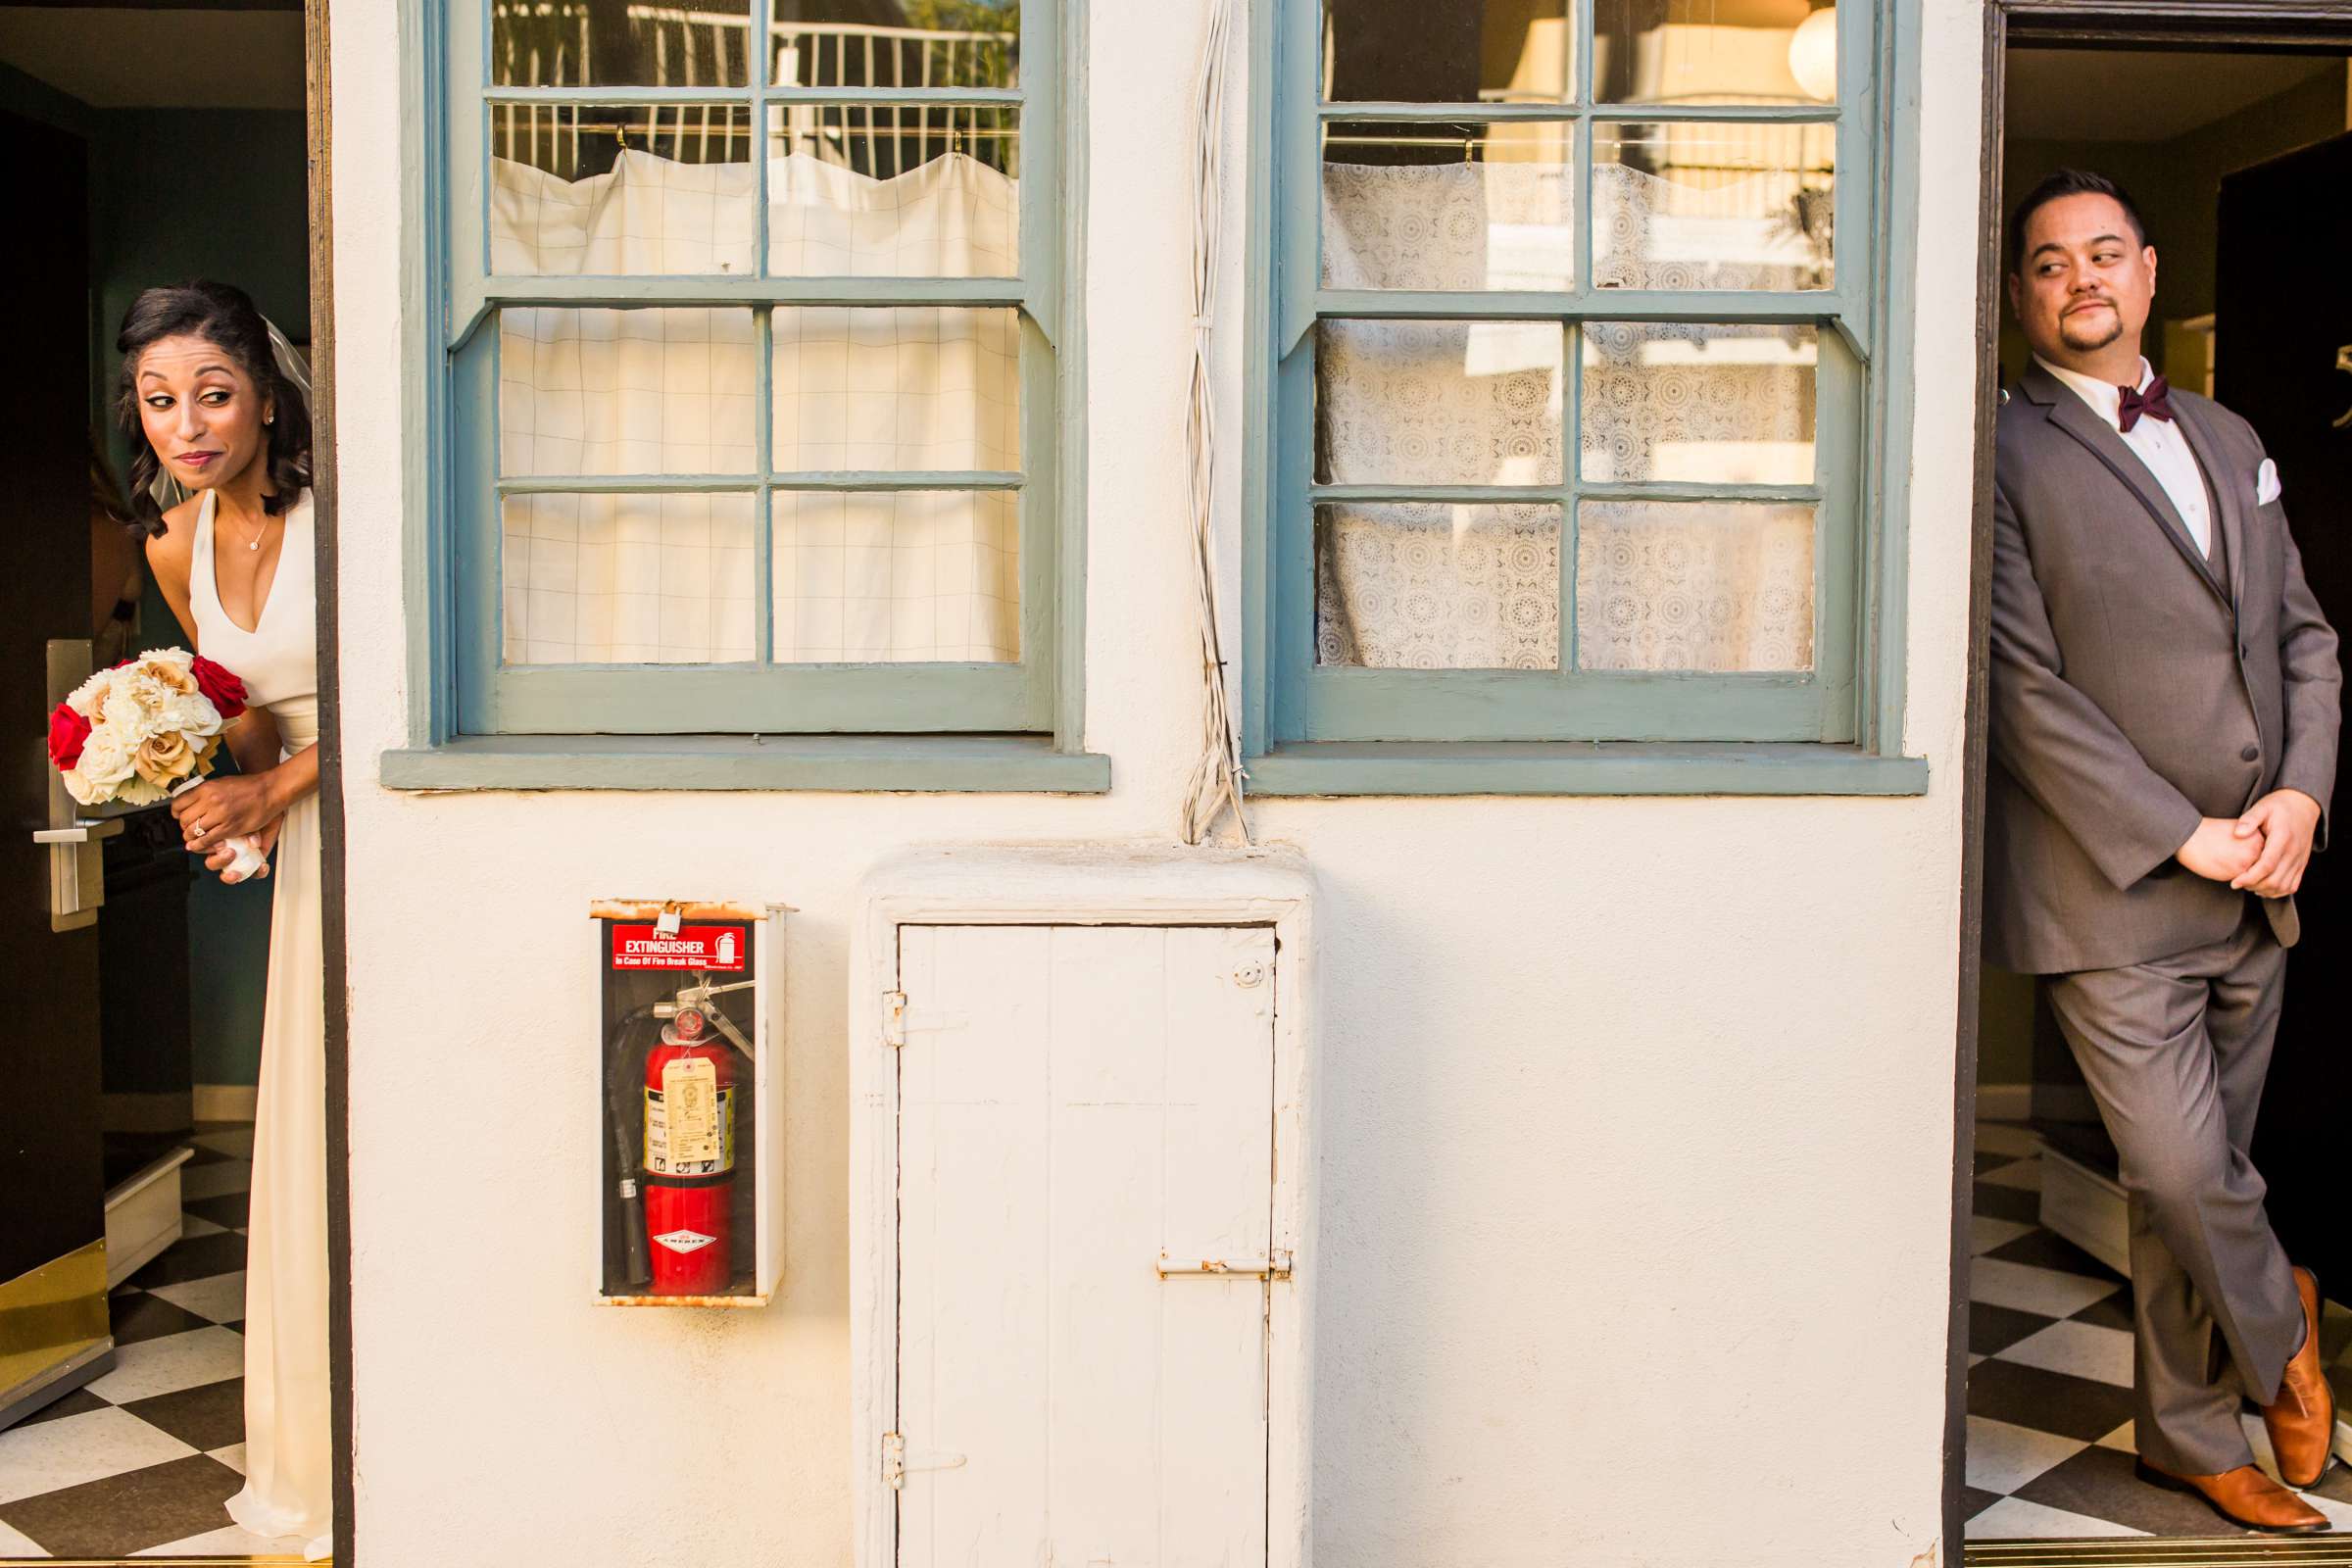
146 729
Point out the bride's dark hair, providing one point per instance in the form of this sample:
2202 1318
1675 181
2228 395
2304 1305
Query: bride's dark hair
223 315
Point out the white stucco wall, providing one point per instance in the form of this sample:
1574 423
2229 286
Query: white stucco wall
1638 1112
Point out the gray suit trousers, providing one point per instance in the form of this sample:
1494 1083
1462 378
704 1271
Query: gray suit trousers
2176 1051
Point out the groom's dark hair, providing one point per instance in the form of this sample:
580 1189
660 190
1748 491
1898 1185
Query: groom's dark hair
2067 182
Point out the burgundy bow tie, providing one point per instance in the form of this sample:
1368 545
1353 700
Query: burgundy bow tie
2156 402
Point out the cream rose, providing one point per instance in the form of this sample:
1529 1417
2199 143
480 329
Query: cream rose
171 675
104 764
191 716
164 759
129 708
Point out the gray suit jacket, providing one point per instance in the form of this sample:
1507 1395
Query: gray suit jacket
2132 690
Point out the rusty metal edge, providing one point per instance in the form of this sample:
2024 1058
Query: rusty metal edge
649 908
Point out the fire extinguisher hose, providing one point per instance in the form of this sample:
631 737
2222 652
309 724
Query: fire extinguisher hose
621 1089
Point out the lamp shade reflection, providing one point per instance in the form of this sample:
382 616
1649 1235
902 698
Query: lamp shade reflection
1813 54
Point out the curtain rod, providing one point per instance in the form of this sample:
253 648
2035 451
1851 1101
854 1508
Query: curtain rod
934 132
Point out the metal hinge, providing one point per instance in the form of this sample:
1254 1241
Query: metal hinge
899 1021
896 1464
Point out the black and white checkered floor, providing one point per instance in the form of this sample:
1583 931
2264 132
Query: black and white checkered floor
2049 1383
141 1462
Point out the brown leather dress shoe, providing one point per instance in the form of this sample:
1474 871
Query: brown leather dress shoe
2302 1418
2244 1497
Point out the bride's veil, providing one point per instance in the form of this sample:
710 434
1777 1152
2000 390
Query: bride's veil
169 492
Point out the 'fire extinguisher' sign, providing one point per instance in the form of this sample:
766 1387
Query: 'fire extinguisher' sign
693 947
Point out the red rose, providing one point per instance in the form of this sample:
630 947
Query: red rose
221 689
67 731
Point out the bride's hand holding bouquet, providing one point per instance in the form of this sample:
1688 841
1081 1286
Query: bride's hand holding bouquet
147 730
220 816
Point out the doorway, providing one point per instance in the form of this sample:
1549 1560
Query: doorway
168 143
2229 134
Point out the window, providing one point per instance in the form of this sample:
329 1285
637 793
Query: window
754 394
1568 379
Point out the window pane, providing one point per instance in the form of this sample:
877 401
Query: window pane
1714 52
1698 585
1449 205
859 190
1437 401
897 577
627 580
904 388
646 391
1411 585
1448 51
619 43
621 189
939 43
1698 403
1712 206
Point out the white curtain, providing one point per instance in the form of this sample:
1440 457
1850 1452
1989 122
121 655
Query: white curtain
866 576
1658 585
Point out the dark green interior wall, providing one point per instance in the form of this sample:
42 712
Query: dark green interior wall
2178 186
181 194
188 193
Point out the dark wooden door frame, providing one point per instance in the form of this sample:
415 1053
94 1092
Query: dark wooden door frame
320 111
2314 24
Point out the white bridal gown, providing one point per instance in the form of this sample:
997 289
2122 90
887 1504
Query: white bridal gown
288 1473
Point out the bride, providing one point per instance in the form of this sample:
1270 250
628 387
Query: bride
208 402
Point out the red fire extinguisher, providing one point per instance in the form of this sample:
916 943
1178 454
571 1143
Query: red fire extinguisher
690 1158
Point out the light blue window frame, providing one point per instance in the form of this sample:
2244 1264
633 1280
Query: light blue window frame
477 720
1837 728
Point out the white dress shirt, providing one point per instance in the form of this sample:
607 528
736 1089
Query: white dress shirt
2158 443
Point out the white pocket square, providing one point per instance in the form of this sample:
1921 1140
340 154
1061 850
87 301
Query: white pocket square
2266 483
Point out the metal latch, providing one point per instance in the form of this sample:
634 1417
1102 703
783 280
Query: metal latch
1274 1267
899 1021
896 1464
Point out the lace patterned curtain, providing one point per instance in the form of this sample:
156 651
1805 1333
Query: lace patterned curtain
1658 584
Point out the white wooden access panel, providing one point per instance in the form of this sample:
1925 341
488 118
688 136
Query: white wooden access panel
1086 1245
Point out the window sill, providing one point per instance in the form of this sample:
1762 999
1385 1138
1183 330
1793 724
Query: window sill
977 763
1579 768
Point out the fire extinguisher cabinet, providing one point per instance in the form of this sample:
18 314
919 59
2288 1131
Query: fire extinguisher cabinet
690 1171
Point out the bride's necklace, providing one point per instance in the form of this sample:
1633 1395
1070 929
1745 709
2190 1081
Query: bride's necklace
260 530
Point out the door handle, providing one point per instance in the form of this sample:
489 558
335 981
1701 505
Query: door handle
88 830
77 871
76 861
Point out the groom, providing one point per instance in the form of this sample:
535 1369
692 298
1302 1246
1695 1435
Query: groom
2164 714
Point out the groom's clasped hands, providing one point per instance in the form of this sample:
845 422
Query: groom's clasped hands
2262 852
